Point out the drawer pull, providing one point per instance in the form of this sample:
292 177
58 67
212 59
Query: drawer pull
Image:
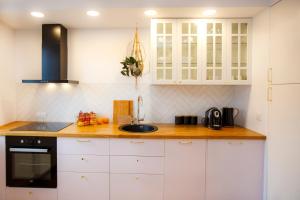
235 143
81 140
83 177
185 142
83 158
137 142
29 193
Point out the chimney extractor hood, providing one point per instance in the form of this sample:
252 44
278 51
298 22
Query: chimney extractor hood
54 55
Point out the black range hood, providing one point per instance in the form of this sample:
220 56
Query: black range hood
54 55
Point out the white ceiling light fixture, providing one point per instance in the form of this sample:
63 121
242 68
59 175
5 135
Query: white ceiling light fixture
150 13
209 12
92 13
37 14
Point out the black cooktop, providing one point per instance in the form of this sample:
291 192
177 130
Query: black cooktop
43 126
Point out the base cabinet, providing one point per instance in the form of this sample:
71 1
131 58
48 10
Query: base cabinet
136 187
185 169
2 168
234 170
83 186
30 194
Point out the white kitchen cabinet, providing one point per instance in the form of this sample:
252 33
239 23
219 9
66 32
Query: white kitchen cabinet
234 170
136 187
2 167
214 67
189 51
30 194
239 51
163 37
185 169
285 42
83 186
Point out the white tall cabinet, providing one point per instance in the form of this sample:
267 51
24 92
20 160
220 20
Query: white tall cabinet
284 106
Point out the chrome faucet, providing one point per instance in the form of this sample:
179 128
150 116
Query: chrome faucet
138 119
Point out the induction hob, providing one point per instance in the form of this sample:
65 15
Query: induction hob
43 126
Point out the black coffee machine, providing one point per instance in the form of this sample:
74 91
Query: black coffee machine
213 118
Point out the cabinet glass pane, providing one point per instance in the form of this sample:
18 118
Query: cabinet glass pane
194 74
234 51
209 51
160 74
244 28
185 28
168 65
210 28
244 47
185 52
243 74
235 28
169 74
160 49
185 65
209 74
160 28
185 74
168 49
168 28
218 51
194 50
219 28
234 74
218 74
194 28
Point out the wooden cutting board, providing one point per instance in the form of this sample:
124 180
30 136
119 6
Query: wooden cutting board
123 111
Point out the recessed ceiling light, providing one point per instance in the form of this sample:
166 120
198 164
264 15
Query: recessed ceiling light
37 14
92 13
150 13
209 12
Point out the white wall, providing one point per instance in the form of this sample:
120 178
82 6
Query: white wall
252 100
7 75
94 60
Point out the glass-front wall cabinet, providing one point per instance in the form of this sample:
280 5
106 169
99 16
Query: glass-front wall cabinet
164 50
189 51
214 49
199 51
239 65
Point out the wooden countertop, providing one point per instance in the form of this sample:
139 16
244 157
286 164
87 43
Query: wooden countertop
167 131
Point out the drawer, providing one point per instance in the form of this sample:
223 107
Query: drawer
83 146
83 186
84 163
136 187
137 147
30 194
136 164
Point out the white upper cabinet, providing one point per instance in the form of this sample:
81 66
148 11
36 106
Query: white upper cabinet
189 63
164 50
214 50
238 51
199 51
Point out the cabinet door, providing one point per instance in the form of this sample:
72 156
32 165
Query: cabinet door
185 169
239 64
163 40
79 186
189 52
214 50
234 170
2 167
136 187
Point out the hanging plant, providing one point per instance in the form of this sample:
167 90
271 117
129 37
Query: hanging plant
131 67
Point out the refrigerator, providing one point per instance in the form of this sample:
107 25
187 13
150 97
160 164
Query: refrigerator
283 152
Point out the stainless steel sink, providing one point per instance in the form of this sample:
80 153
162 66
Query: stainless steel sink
138 128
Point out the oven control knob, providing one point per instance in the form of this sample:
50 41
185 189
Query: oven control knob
38 141
22 141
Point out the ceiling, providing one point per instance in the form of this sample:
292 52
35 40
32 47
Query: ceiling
119 13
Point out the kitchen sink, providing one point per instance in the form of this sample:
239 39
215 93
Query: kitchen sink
138 128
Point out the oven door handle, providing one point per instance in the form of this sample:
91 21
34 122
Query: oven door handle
28 150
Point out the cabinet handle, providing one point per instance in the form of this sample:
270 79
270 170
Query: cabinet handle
235 143
185 142
82 140
137 142
83 158
30 193
269 98
83 177
270 75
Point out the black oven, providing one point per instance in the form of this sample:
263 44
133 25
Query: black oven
31 162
